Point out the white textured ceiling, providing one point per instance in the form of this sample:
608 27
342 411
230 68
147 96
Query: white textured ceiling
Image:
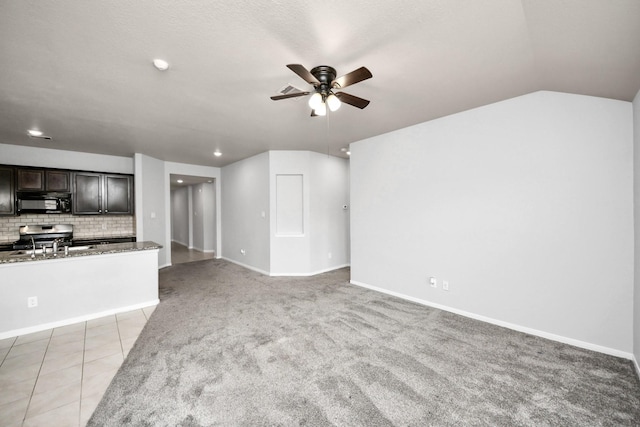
81 70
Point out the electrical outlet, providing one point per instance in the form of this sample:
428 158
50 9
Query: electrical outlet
433 282
104 226
32 302
445 285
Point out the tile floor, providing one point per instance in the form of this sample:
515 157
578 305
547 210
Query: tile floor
58 376
181 254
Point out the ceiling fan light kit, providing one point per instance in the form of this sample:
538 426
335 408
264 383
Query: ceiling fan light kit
333 102
315 101
324 82
321 110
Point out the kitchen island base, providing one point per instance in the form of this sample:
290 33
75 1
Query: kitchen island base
75 289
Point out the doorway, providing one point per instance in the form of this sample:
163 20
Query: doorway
193 218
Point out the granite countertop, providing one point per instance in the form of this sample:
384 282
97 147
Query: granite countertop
78 251
105 238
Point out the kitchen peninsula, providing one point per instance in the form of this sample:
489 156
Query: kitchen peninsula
47 291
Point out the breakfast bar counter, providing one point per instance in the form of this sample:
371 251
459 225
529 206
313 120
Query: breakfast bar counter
46 291
75 251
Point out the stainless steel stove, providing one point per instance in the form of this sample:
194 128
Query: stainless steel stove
44 236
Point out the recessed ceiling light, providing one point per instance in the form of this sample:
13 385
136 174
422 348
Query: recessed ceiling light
217 153
179 181
348 153
210 181
161 64
33 133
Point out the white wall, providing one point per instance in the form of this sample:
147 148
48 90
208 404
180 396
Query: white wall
324 244
290 254
245 196
329 186
636 181
250 210
152 223
180 215
49 158
209 217
204 217
525 207
197 219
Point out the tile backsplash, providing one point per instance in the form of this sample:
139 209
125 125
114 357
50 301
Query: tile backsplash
84 226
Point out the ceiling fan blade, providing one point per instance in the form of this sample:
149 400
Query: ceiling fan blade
289 95
352 100
303 73
353 77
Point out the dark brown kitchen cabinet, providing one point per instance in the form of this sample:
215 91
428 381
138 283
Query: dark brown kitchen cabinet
117 194
58 181
30 180
43 180
102 194
7 191
87 193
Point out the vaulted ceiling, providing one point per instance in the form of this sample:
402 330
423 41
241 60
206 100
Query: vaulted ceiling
82 71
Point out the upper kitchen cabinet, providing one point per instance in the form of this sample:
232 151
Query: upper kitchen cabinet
7 191
43 180
30 180
100 194
59 181
118 190
87 193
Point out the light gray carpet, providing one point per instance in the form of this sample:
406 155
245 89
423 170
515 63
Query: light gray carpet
227 347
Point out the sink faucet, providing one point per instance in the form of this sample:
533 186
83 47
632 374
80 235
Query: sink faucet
33 254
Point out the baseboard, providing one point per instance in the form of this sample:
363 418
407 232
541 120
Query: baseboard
71 321
326 270
515 327
180 243
204 251
266 273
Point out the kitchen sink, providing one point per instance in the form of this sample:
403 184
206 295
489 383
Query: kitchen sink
50 250
80 248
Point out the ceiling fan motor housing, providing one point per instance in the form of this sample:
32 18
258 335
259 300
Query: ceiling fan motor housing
325 76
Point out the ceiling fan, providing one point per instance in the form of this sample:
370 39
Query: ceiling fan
324 81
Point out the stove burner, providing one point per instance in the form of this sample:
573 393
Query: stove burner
44 236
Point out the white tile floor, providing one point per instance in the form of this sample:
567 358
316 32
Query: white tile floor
57 377
181 254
